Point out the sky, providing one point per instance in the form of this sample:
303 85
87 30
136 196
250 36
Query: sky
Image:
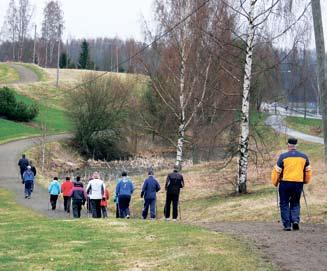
107 18
96 18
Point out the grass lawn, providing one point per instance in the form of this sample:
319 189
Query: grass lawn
55 119
7 74
31 242
308 126
14 130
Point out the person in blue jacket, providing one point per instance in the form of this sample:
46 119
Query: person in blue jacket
124 191
149 192
28 180
54 191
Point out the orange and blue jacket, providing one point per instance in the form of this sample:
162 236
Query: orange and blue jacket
292 166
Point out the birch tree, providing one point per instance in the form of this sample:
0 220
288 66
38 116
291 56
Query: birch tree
24 15
52 22
11 25
268 20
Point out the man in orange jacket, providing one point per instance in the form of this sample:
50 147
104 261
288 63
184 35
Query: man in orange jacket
66 189
291 172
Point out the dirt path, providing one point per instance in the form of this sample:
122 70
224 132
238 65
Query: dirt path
302 250
26 75
10 178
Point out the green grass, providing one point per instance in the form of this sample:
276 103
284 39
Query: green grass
31 242
308 126
55 119
7 74
10 130
40 73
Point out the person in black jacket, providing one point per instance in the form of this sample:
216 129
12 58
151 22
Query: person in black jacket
174 183
78 196
149 192
23 163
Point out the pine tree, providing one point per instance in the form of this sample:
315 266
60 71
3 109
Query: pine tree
63 63
84 58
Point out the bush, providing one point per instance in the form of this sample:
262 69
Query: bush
14 110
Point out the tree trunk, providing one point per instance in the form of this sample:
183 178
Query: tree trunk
244 137
321 59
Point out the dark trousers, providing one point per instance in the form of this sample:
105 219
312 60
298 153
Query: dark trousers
67 204
152 204
123 202
171 198
104 211
28 188
77 206
117 210
21 173
53 201
290 195
96 208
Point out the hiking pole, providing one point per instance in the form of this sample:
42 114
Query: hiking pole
306 204
277 202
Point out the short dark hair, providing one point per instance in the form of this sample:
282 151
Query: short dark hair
78 178
67 178
124 174
292 141
23 155
55 178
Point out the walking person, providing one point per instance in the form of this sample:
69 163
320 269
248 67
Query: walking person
124 191
149 192
78 197
174 183
104 203
23 163
54 191
291 172
66 188
28 180
34 171
95 190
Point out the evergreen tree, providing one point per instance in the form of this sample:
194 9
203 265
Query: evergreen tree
63 63
84 58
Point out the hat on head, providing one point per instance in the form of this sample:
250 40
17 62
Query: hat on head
292 141
29 167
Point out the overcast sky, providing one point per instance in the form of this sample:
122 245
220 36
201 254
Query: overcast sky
96 18
106 18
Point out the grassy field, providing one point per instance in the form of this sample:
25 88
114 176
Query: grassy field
7 74
308 126
32 242
10 130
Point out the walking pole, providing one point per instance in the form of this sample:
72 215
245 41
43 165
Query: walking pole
277 202
306 204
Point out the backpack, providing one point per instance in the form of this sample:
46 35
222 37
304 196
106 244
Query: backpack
28 175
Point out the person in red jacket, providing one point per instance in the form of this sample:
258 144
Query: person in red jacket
66 189
104 203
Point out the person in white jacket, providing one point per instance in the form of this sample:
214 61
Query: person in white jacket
95 189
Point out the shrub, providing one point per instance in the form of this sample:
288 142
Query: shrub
14 110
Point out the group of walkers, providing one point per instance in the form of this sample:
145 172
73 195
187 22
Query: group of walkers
291 172
27 174
96 195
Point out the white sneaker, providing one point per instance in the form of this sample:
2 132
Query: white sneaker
127 216
167 218
174 219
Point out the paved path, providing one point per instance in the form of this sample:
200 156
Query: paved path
10 177
26 75
276 122
289 251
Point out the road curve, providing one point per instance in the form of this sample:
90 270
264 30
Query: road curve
26 75
277 123
10 177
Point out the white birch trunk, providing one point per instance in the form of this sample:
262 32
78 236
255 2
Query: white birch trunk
244 137
181 129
